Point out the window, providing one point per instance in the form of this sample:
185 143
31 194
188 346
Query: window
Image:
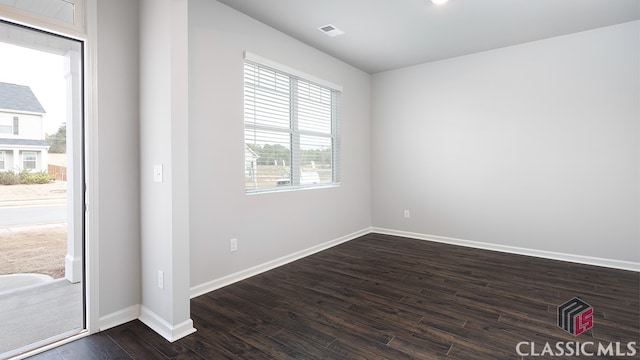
29 160
16 125
2 160
291 129
5 125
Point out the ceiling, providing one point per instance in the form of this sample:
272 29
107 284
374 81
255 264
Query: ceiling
382 35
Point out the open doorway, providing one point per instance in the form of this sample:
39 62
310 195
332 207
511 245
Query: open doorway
41 189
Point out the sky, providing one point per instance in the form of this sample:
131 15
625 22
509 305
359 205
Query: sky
43 73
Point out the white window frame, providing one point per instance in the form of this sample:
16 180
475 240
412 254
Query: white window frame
3 160
40 21
297 178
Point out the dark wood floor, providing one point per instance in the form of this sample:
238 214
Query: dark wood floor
385 297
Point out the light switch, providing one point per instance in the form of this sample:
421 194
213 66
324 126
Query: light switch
157 173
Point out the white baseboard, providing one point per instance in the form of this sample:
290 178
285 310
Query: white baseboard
172 333
588 260
244 274
163 328
119 317
151 319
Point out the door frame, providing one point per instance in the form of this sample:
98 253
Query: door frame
84 31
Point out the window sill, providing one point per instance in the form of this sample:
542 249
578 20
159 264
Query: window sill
291 188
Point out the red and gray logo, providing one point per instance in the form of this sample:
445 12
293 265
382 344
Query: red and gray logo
575 316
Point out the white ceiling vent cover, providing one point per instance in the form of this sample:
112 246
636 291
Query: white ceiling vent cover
331 30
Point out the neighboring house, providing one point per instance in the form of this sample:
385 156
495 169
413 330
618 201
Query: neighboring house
22 144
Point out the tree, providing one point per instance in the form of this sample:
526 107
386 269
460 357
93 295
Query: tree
268 154
58 141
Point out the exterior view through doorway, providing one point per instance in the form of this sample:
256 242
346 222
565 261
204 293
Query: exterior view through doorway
41 189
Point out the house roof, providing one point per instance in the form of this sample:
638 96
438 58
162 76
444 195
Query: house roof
23 142
19 98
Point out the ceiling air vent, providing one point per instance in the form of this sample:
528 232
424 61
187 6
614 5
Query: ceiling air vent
331 30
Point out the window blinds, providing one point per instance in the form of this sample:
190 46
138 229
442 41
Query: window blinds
291 130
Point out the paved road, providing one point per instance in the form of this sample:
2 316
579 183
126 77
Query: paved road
31 215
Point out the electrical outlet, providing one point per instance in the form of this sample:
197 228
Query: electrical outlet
407 214
233 245
161 279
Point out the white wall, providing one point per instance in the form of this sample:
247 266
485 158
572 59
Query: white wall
267 226
118 164
30 127
533 146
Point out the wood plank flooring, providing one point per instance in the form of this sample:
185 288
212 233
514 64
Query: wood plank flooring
386 297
